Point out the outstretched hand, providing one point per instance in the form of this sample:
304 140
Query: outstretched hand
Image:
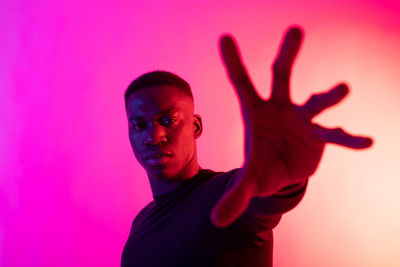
282 146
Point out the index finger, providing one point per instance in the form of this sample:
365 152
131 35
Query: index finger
236 71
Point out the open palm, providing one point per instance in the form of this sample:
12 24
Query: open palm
283 146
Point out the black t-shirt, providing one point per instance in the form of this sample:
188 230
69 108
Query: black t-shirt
175 229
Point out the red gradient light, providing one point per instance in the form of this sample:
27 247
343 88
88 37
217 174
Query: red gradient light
69 184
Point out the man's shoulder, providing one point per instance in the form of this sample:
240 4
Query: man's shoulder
143 212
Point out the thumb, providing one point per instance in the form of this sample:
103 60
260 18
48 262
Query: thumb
231 205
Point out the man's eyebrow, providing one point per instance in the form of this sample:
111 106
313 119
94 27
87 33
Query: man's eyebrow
134 117
168 112
160 114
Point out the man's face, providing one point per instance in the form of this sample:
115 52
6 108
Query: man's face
162 131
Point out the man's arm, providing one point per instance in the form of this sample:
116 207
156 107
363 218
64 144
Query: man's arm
283 147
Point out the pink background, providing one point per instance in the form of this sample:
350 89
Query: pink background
69 184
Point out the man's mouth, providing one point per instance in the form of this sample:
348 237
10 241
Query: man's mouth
156 158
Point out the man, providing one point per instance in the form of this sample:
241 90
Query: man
203 218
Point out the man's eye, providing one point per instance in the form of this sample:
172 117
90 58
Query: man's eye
135 126
168 122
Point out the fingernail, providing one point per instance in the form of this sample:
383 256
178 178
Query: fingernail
343 89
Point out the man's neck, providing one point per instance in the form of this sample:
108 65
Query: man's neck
160 186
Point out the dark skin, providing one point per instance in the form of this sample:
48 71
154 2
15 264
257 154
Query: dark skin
162 132
283 146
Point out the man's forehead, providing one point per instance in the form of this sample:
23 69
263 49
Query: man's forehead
139 113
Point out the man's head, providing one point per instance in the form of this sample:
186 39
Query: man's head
162 125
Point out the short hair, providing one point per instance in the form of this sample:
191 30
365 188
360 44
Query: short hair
157 78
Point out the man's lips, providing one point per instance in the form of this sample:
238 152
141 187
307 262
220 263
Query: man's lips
154 158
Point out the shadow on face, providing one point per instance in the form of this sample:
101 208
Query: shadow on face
162 131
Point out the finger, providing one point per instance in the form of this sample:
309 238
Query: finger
237 72
340 137
319 102
282 66
232 204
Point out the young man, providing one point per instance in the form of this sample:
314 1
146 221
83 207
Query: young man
203 218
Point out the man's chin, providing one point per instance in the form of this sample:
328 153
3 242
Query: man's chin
162 173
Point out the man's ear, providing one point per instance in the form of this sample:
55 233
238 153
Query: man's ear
197 126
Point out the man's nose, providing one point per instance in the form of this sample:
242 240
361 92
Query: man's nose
156 135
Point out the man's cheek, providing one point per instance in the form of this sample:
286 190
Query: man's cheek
131 140
136 149
134 141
